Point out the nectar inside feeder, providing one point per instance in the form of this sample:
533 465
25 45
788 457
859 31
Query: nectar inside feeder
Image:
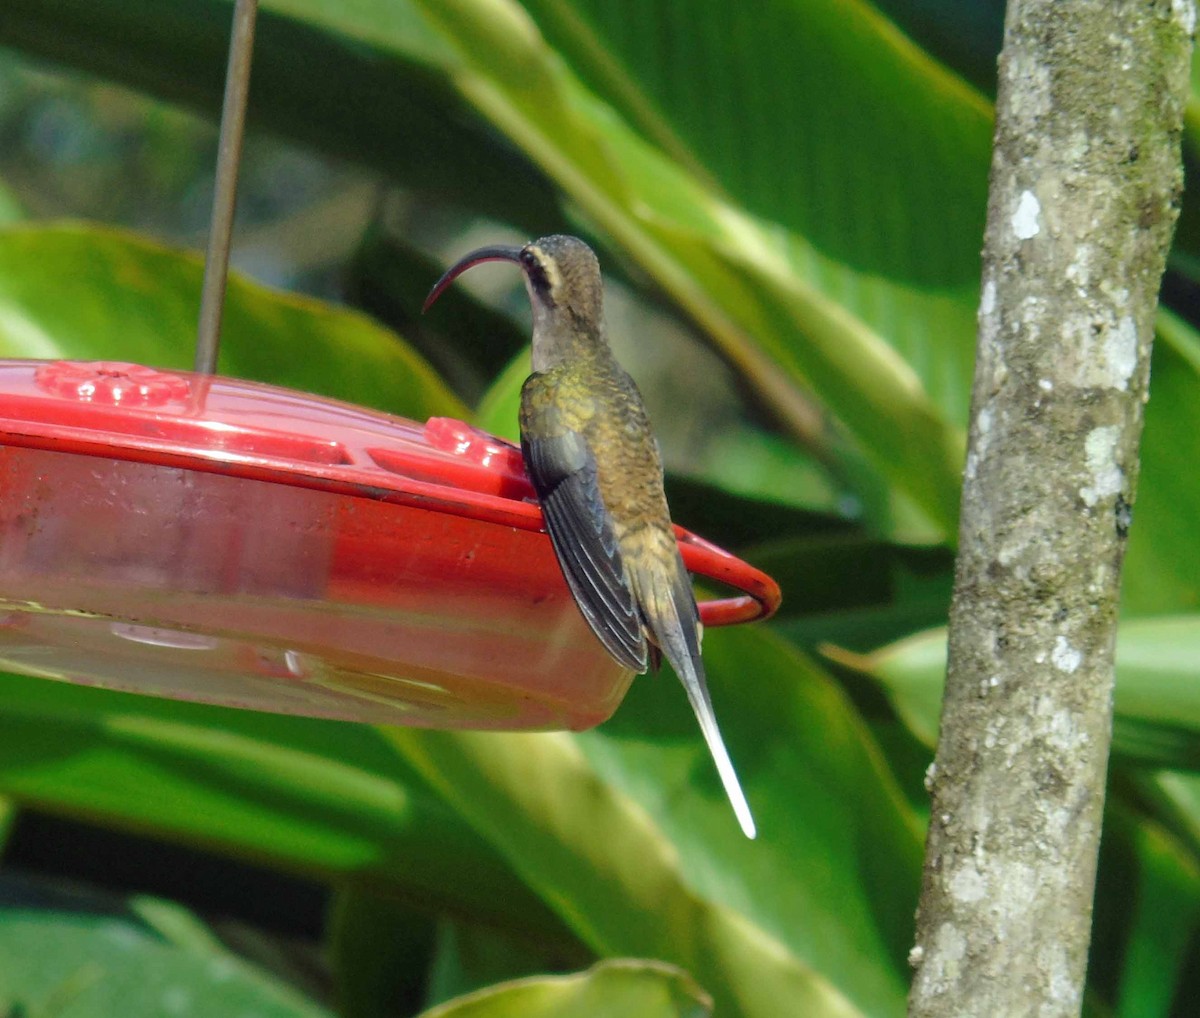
210 539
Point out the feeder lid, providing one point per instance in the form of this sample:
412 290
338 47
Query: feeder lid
246 429
436 599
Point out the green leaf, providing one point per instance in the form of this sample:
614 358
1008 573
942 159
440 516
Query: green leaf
501 404
708 82
8 816
470 957
319 797
1161 574
756 466
816 912
1176 797
1166 915
379 951
737 274
10 208
1156 702
88 292
611 989
70 955
966 37
851 586
912 671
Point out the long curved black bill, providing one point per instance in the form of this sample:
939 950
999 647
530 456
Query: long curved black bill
498 253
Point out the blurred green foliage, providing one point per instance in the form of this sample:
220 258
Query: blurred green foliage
789 200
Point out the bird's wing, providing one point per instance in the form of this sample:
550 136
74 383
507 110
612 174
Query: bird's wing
563 470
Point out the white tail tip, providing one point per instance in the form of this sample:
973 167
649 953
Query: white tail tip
733 787
716 747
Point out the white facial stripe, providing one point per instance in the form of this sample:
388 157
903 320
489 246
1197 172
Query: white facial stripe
549 266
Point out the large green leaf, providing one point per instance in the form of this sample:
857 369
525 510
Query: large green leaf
768 297
367 936
1156 702
499 409
709 82
89 292
627 835
321 797
1161 905
966 37
612 989
1166 915
1162 566
1176 796
471 957
72 955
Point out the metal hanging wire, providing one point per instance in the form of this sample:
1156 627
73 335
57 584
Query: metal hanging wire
229 155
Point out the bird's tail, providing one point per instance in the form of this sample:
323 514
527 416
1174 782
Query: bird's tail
670 609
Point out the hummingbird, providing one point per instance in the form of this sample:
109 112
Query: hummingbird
596 467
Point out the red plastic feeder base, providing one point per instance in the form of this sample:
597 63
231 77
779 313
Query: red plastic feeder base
223 541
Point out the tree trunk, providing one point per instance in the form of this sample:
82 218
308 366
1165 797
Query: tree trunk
1085 190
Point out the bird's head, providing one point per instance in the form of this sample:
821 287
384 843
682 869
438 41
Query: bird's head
562 276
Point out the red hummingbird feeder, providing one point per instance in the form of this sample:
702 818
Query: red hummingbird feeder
203 538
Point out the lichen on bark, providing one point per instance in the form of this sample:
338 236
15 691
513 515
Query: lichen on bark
1084 193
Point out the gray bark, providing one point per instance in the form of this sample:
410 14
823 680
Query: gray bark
1085 189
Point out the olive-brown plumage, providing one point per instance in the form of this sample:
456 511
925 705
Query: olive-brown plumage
596 467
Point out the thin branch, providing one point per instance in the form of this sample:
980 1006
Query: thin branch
1084 195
